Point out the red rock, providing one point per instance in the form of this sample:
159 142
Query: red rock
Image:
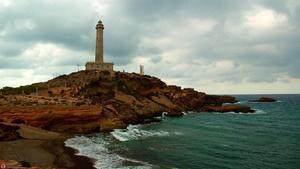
94 101
174 114
12 164
228 108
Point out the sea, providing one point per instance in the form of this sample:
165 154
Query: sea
266 139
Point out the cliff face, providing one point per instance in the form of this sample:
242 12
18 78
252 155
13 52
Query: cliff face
89 101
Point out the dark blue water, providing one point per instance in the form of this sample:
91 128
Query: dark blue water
268 139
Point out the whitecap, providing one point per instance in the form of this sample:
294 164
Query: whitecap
95 148
164 114
178 133
135 132
259 111
188 112
241 102
231 112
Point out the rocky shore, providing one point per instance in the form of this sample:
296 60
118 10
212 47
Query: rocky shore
93 101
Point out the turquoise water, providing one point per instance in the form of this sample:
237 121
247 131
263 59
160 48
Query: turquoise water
269 139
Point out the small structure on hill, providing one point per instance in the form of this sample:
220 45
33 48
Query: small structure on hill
99 64
142 70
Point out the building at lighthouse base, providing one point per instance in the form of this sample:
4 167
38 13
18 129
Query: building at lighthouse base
106 66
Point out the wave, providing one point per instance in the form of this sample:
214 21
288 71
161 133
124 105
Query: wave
95 148
252 102
257 111
239 102
231 112
163 114
256 102
135 132
188 112
242 102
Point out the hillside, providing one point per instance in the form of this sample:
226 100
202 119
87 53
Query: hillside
90 101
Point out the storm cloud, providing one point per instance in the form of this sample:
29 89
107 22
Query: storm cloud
216 46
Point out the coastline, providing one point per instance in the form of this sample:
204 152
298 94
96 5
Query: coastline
44 154
41 148
66 156
78 160
96 102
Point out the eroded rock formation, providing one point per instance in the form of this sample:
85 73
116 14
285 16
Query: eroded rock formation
90 101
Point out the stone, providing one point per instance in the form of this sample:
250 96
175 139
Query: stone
228 108
264 99
9 133
174 114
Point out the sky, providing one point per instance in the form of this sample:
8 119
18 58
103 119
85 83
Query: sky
214 46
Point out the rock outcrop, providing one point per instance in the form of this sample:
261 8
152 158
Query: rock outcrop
264 99
228 108
9 133
90 101
12 164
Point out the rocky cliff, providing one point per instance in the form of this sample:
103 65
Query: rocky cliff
90 101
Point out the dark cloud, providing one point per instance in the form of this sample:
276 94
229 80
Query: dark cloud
165 34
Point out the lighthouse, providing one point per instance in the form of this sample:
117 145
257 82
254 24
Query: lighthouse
99 42
99 63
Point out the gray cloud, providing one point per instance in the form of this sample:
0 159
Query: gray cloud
194 40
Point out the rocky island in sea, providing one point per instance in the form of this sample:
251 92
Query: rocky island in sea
36 119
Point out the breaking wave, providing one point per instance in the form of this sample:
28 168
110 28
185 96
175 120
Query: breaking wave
135 132
95 148
242 102
257 111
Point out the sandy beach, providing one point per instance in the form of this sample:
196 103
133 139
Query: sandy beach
43 149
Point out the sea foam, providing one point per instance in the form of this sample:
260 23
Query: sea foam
135 132
257 111
95 148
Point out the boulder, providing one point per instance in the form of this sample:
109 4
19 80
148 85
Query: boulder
264 99
9 133
218 100
228 108
152 120
174 114
109 124
12 164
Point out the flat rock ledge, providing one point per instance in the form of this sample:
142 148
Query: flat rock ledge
12 164
229 108
264 99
